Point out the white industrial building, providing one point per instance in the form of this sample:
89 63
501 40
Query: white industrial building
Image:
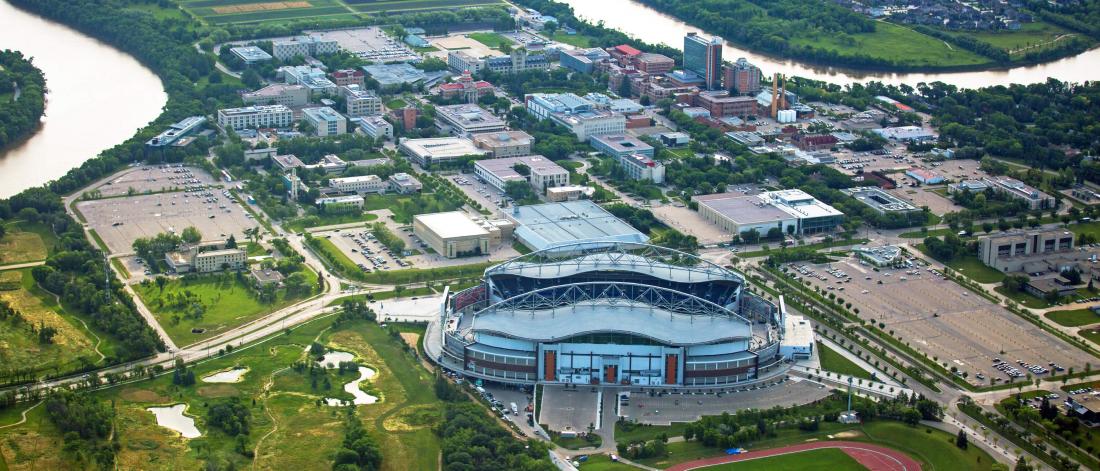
250 117
438 149
360 184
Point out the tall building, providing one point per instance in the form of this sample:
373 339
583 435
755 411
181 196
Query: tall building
742 78
271 116
326 121
303 46
704 57
361 102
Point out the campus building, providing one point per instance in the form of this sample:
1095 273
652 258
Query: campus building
404 183
451 234
790 211
373 126
742 78
541 173
312 78
278 94
342 201
542 226
618 314
304 46
583 60
620 145
464 120
505 143
432 150
881 201
251 117
347 77
175 132
1011 251
205 258
361 102
1017 189
250 55
325 121
704 57
360 184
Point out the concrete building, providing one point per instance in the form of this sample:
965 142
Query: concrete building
579 115
742 78
393 76
543 226
251 117
361 184
583 60
882 256
465 120
504 143
326 121
905 134
542 173
175 132
205 258
972 186
266 276
721 104
438 149
814 142
924 176
790 211
641 167
346 77
704 57
620 145
278 94
881 201
374 126
467 88
1011 251
569 193
674 139
1019 190
354 201
461 62
361 102
518 61
654 64
250 55
304 46
452 234
404 183
542 105
312 78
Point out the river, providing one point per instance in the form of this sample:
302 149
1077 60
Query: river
654 27
98 97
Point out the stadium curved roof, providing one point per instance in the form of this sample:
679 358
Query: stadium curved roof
657 261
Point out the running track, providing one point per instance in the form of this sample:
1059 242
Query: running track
873 457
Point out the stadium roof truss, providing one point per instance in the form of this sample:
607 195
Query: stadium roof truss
618 254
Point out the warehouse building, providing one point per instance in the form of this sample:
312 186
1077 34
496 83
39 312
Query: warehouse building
790 211
541 173
542 226
452 234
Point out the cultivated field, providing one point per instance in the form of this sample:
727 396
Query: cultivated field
257 11
414 6
946 321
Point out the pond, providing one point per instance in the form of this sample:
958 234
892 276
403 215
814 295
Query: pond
353 389
234 375
172 417
333 359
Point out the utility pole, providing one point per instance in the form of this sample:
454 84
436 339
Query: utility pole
106 278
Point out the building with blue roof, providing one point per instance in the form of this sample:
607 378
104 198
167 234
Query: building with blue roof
542 226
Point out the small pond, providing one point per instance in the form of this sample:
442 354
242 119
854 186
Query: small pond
172 417
234 375
353 389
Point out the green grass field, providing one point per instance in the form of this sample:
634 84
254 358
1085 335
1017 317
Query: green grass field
831 459
604 463
220 12
25 242
300 224
414 6
1022 298
289 429
972 267
1091 228
1029 34
895 43
229 302
1090 334
578 40
492 40
833 361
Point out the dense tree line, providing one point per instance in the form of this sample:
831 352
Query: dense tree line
359 451
472 440
19 117
86 424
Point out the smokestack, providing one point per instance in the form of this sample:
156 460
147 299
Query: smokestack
775 95
783 95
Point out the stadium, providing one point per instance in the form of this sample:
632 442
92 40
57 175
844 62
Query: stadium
613 313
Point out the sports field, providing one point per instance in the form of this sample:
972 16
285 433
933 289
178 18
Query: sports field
825 458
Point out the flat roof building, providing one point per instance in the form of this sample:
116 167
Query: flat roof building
924 176
326 121
305 46
452 234
355 201
790 211
310 77
278 94
641 167
905 133
1011 251
619 145
404 183
813 215
361 102
464 120
391 76
1017 189
174 132
374 126
880 201
541 173
250 54
251 117
504 143
591 123
882 256
359 184
439 149
543 226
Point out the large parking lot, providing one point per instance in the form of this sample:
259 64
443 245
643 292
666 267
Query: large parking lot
944 320
361 246
937 203
120 221
148 179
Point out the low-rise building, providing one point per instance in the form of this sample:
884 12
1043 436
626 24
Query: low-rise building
175 132
583 60
434 150
361 102
924 176
591 123
404 183
814 142
206 258
451 234
464 120
351 201
278 94
541 173
619 145
789 211
1017 189
266 276
304 46
674 139
312 78
641 167
905 134
569 193
881 201
326 121
374 126
652 63
504 143
973 186
346 77
392 76
543 226
360 184
721 104
881 256
251 117
250 55
1010 251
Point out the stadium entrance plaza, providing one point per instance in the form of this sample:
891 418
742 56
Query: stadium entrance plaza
565 408
947 322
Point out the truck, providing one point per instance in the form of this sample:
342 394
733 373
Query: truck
515 409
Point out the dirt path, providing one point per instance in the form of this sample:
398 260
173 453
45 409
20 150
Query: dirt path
873 457
98 341
274 424
24 419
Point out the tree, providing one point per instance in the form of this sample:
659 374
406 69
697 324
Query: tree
1015 283
961 440
251 79
231 242
161 281
1021 464
191 235
550 27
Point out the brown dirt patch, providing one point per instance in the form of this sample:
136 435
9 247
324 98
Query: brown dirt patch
221 390
848 434
142 395
411 338
266 6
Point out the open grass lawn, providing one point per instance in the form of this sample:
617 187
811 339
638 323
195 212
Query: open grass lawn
578 40
405 206
631 433
415 6
837 363
229 302
817 246
263 11
492 40
895 43
299 224
604 463
1074 318
396 103
1091 334
680 452
972 267
289 429
918 234
935 449
1022 298
1029 34
25 242
1091 228
73 346
829 458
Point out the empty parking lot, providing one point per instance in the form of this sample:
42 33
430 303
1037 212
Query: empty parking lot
946 321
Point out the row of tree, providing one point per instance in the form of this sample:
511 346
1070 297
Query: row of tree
22 97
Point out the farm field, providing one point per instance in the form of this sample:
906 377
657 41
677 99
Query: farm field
227 302
291 428
255 11
414 6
